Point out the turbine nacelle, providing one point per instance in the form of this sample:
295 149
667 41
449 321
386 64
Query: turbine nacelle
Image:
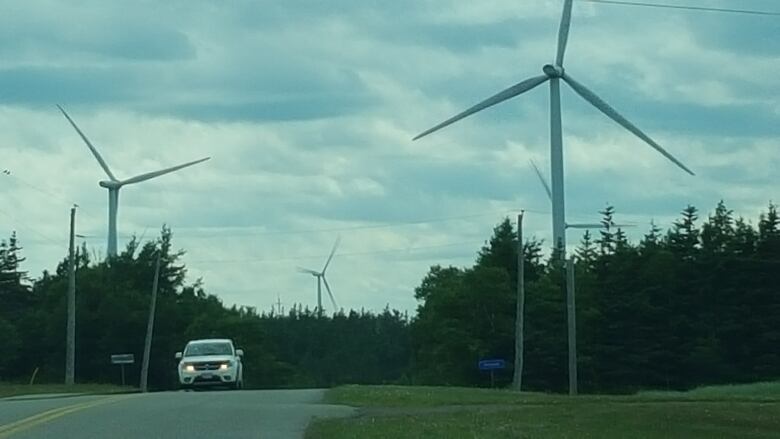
553 71
311 272
108 184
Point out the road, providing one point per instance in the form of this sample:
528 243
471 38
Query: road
187 415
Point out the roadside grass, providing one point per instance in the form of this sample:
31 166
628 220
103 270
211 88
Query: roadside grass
738 411
405 396
9 389
766 391
408 396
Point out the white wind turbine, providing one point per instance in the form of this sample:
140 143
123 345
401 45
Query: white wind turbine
113 184
320 275
554 73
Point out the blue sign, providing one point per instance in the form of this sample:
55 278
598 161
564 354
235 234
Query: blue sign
492 364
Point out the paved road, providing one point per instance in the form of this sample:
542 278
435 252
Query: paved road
187 415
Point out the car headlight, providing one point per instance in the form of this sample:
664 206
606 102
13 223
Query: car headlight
189 368
225 366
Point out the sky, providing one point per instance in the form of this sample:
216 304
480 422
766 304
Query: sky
307 110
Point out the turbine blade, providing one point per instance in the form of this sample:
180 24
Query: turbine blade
150 175
335 245
585 226
509 93
542 180
617 117
330 294
563 32
89 144
597 226
308 271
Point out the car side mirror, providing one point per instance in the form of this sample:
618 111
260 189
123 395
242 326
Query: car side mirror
240 352
178 355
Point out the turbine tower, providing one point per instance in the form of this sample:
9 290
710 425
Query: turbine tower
113 184
320 275
555 73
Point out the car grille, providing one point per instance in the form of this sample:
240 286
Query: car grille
206 366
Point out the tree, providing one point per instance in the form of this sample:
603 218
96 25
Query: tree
500 251
683 239
9 346
14 292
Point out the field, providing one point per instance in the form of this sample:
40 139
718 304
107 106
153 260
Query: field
740 411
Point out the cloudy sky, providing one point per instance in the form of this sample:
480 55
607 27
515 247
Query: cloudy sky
307 109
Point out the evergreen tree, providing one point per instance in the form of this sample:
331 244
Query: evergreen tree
606 242
683 239
14 291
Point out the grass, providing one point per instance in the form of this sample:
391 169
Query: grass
739 411
769 391
8 389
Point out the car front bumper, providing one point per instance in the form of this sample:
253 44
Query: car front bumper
208 378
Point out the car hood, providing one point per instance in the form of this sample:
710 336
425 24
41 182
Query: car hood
208 359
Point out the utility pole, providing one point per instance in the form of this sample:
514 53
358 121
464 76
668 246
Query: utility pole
571 312
520 309
70 344
150 328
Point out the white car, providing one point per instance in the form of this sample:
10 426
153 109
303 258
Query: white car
212 362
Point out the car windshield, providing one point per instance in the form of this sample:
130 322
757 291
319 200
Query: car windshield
200 349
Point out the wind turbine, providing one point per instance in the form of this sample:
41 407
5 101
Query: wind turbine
113 184
320 275
578 225
555 73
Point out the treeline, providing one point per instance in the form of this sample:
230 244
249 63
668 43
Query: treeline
299 349
696 304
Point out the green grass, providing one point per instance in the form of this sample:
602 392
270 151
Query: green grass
407 396
757 391
740 411
7 389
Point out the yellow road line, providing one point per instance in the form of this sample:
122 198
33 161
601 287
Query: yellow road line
41 418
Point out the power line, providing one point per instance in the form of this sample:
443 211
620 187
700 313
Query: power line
685 7
217 234
41 190
372 226
40 234
359 227
44 191
372 252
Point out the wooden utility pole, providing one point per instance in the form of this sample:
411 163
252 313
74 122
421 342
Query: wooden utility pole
149 329
70 343
571 312
520 309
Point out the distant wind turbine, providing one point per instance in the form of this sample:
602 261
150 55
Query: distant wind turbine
113 184
320 275
554 73
568 225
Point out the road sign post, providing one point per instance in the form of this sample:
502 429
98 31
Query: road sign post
491 366
121 360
